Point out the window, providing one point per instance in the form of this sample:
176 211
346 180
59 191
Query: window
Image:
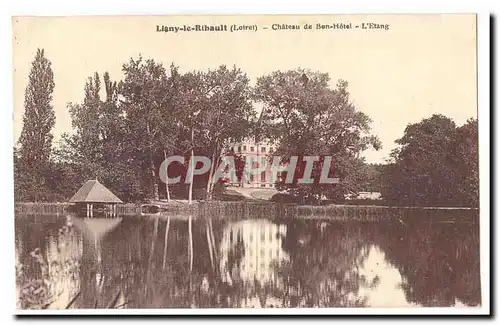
262 252
262 185
251 237
263 176
263 149
251 149
251 177
262 237
244 148
239 149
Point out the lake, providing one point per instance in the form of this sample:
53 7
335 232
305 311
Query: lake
146 262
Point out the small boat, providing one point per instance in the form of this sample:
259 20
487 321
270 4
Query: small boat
150 209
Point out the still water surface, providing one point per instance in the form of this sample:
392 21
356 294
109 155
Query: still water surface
145 263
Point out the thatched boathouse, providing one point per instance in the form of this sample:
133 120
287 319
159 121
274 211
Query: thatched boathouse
95 197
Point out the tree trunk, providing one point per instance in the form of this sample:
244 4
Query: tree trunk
167 189
156 194
191 167
210 175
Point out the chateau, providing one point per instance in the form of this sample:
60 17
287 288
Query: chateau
257 151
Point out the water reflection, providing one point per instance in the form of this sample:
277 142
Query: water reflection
251 250
48 257
439 263
146 263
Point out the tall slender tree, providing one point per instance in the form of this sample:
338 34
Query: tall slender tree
36 138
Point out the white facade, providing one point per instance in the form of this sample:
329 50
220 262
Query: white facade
257 151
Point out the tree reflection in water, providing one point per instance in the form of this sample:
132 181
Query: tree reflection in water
132 263
439 262
48 257
250 263
324 265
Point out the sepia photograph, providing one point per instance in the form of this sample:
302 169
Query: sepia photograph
202 162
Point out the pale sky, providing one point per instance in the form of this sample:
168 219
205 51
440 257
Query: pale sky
421 65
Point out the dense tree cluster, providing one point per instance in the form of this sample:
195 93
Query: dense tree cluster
308 118
435 165
123 130
152 113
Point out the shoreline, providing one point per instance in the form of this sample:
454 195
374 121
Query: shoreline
227 210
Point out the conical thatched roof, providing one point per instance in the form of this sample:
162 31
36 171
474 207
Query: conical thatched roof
94 192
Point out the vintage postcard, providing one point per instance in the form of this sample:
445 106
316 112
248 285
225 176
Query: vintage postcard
178 163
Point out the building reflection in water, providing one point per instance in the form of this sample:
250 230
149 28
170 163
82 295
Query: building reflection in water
250 251
260 243
259 263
